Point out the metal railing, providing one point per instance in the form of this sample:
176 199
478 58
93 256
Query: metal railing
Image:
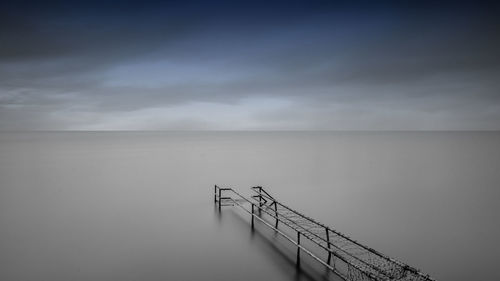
347 258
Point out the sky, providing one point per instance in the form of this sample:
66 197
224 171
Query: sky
249 65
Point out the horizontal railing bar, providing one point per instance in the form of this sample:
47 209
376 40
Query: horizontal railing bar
369 265
336 232
293 241
403 266
366 273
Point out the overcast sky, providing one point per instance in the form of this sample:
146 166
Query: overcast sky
235 65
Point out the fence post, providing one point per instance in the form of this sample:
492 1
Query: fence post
260 199
328 241
276 213
220 196
253 215
298 248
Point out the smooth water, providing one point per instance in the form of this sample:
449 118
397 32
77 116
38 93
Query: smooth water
139 205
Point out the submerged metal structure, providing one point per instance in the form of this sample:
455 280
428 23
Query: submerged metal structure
347 258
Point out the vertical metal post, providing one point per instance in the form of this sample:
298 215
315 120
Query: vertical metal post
328 241
215 193
253 215
276 213
298 248
260 200
220 196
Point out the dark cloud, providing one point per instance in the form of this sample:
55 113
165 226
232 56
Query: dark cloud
356 65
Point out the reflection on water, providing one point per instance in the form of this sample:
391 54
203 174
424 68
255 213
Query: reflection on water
139 206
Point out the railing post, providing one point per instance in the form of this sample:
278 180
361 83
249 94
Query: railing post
220 196
253 215
276 213
215 193
260 200
298 248
328 241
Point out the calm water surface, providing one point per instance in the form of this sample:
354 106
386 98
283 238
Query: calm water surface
138 206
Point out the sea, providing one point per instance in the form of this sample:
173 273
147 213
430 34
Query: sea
140 205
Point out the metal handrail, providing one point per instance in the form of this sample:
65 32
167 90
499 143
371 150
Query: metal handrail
328 249
370 269
368 275
403 267
279 231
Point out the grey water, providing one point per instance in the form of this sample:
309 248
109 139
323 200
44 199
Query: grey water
139 205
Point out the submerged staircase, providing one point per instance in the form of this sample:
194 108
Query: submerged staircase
347 258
